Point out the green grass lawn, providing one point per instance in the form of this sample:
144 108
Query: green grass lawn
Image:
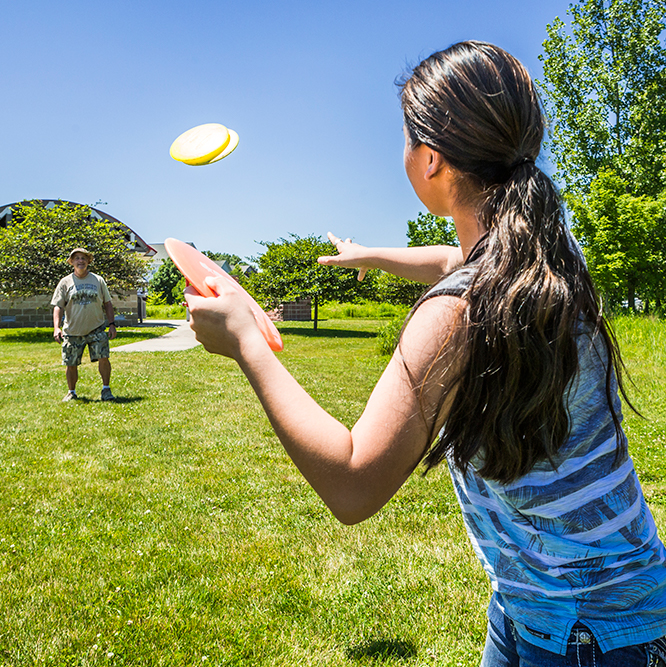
169 528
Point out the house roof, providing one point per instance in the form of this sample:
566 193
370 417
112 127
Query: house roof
134 241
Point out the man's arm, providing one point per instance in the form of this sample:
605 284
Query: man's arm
57 331
110 316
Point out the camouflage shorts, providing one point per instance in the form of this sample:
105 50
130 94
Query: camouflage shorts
98 346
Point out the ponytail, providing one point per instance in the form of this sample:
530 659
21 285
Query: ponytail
515 347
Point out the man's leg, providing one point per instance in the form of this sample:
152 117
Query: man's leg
72 350
105 371
72 377
98 346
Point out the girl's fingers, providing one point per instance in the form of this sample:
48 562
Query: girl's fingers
361 274
191 295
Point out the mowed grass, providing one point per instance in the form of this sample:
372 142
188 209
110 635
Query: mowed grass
169 528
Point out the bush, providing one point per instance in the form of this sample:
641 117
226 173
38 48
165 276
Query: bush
388 337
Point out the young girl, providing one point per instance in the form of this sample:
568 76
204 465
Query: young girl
505 369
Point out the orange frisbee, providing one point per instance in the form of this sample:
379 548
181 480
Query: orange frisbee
195 266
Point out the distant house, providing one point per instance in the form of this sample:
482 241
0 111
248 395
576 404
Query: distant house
246 269
36 311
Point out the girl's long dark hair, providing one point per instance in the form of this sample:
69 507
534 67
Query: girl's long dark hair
515 346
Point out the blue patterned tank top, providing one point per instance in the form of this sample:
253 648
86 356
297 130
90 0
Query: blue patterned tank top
573 541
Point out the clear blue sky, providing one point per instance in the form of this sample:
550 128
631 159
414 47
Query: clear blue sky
94 92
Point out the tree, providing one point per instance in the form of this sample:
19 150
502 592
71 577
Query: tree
429 229
223 257
396 290
288 270
164 281
605 88
35 245
624 237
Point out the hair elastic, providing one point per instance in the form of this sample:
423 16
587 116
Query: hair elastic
521 161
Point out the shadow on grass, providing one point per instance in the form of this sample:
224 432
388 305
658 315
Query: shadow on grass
117 399
381 649
46 335
327 333
127 399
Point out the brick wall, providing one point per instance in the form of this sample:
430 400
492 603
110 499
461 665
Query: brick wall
294 311
36 311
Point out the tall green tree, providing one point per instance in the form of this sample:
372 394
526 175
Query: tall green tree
605 89
36 243
624 237
288 270
163 284
429 229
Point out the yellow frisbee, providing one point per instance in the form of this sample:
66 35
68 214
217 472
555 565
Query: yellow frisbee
202 144
229 148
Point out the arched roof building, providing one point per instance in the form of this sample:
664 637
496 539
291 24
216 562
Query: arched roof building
134 241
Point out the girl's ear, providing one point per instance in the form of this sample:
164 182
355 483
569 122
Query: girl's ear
436 164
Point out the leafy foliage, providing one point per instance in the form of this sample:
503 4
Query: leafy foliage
388 337
397 290
429 229
605 88
35 245
164 282
624 239
289 270
223 257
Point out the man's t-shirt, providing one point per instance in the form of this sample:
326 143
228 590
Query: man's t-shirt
83 300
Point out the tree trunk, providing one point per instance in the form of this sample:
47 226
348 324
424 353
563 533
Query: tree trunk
316 313
631 299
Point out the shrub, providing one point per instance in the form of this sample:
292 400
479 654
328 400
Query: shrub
388 337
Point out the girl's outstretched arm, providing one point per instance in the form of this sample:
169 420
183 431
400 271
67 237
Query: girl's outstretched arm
356 471
425 264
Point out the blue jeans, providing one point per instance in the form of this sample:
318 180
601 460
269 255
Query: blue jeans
505 648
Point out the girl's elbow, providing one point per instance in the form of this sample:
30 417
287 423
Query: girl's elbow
351 513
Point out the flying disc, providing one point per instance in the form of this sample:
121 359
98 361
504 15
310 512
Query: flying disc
204 144
195 266
230 147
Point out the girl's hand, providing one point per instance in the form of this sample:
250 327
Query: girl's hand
223 324
351 255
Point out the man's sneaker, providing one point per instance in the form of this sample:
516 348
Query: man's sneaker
107 395
69 396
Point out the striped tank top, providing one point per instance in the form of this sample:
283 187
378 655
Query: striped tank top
573 541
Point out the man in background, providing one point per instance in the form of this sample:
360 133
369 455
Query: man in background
84 300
